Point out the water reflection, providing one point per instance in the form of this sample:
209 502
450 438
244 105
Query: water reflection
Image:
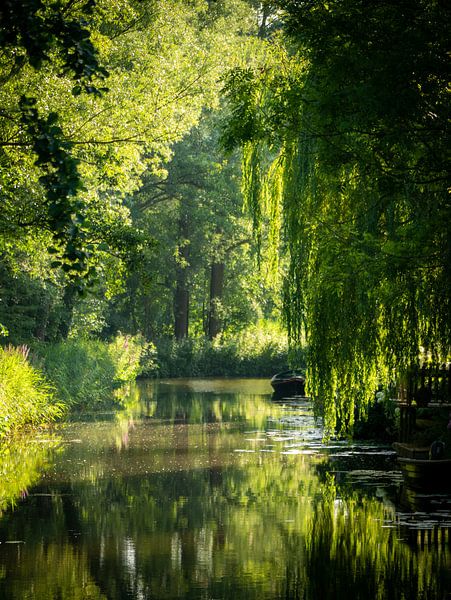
206 489
22 461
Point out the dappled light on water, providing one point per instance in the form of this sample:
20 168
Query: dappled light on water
208 489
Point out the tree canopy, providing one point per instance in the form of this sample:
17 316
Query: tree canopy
344 129
94 96
200 278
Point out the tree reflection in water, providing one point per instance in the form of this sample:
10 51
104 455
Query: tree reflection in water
187 494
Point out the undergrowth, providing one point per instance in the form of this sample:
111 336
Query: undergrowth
252 353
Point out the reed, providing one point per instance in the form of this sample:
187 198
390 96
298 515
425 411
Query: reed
86 372
26 396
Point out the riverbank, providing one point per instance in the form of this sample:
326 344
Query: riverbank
41 384
254 352
26 396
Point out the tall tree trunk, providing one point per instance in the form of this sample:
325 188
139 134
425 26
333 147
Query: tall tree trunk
43 317
266 10
216 295
181 295
181 311
69 297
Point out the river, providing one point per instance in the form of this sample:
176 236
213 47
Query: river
208 489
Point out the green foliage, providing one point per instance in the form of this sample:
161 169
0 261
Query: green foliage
40 29
86 372
40 34
82 371
76 374
196 218
344 131
126 352
26 396
66 149
29 305
254 352
72 151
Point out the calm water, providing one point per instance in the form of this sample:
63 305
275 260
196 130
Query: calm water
209 490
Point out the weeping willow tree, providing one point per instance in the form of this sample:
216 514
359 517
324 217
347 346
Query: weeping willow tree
344 133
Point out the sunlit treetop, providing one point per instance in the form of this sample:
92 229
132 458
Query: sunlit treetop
93 95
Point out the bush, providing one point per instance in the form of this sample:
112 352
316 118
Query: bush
257 352
82 371
26 397
83 374
126 352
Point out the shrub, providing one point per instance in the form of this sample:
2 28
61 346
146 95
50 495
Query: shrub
126 352
259 351
82 371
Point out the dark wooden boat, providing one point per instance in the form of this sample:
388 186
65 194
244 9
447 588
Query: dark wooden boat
405 450
289 383
427 475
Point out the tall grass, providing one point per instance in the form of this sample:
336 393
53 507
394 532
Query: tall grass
26 396
86 372
75 374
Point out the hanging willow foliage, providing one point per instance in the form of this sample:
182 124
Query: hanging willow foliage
365 206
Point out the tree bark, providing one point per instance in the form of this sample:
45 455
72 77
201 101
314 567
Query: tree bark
181 312
216 295
43 317
69 297
181 295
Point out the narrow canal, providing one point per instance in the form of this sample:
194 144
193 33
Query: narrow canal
207 489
